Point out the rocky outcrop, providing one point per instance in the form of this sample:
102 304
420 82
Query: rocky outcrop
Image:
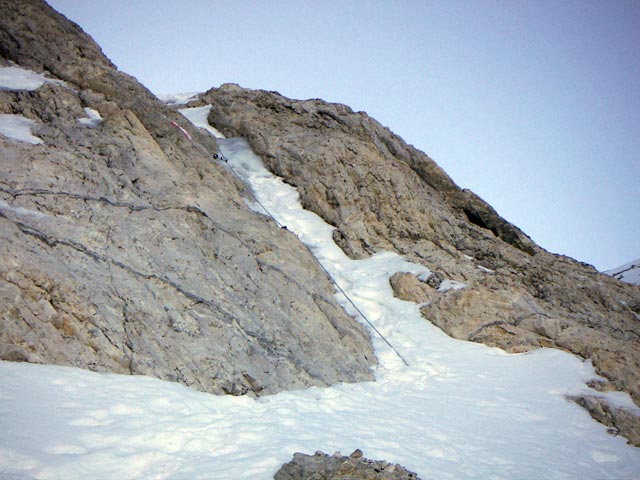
321 466
127 248
382 194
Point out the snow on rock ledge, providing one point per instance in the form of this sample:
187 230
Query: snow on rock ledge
16 78
18 128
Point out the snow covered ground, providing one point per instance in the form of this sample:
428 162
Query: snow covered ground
460 410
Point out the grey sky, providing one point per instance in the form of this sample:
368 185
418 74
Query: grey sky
534 105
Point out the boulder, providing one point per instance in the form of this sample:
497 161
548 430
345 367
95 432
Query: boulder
321 466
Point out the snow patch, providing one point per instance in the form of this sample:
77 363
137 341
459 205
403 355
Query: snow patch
175 99
17 78
444 426
92 118
425 275
198 116
485 269
447 285
22 212
615 400
18 128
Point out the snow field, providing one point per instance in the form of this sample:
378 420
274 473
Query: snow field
68 421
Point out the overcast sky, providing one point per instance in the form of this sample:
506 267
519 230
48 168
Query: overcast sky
533 105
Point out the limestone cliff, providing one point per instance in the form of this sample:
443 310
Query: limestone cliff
127 248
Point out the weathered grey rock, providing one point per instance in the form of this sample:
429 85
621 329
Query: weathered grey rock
124 247
321 466
382 194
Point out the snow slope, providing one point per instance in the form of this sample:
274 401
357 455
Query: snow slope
629 272
460 410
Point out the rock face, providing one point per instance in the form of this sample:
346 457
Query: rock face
321 466
127 248
382 194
